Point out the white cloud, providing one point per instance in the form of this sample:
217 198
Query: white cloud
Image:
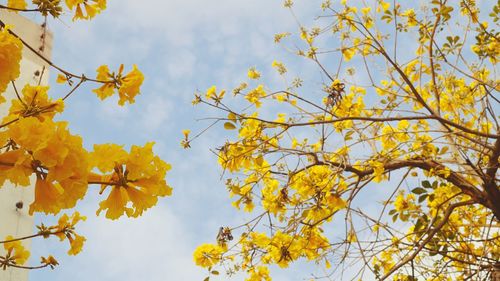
110 111
181 64
156 112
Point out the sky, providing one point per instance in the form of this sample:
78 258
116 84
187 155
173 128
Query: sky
181 46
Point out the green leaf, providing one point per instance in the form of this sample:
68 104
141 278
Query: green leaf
392 212
229 126
418 225
431 197
214 272
348 136
426 184
422 198
419 190
394 218
206 278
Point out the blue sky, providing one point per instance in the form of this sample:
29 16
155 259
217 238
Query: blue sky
181 46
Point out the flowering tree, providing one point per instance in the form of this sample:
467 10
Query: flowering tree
407 115
33 145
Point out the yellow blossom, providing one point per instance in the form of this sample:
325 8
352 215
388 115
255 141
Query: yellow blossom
128 85
91 7
207 255
65 230
137 180
10 57
16 253
211 92
253 73
258 273
61 79
279 66
58 160
34 102
50 261
17 4
255 95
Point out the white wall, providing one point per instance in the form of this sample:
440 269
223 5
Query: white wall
18 222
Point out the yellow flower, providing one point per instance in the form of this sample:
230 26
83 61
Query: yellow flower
76 244
17 4
16 253
18 173
138 178
207 255
410 14
365 10
279 66
258 273
92 8
50 261
378 170
106 155
10 57
284 249
35 102
128 85
61 79
403 203
255 95
107 89
211 92
253 73
348 53
46 193
385 6
58 160
65 229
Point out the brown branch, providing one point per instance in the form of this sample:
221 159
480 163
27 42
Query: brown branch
455 178
32 236
28 267
371 119
41 56
18 10
490 185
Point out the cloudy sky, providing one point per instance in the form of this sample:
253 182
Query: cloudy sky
182 46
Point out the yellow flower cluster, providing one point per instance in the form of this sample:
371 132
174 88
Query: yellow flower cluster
65 230
16 253
91 7
255 95
10 56
33 143
137 177
56 157
128 85
34 102
207 255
